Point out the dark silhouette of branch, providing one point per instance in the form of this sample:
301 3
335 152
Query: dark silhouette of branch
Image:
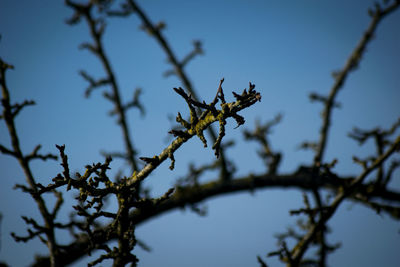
260 133
9 113
352 64
197 193
93 227
179 71
299 250
93 190
319 217
97 27
198 124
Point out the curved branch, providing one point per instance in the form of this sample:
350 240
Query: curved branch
184 196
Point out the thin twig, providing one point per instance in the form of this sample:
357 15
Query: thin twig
181 74
98 50
24 163
302 246
351 64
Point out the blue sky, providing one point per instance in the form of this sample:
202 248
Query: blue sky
287 48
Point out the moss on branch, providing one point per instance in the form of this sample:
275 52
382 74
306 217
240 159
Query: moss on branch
198 124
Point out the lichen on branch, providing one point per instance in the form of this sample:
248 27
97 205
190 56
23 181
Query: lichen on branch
200 122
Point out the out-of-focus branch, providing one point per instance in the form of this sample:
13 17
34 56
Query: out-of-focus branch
260 134
340 77
155 30
197 193
8 116
381 140
299 250
356 190
97 27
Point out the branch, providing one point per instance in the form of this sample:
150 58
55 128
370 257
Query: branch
197 193
9 115
351 64
299 250
260 134
122 224
97 28
198 125
7 151
179 71
35 155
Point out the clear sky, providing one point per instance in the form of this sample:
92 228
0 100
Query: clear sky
287 48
